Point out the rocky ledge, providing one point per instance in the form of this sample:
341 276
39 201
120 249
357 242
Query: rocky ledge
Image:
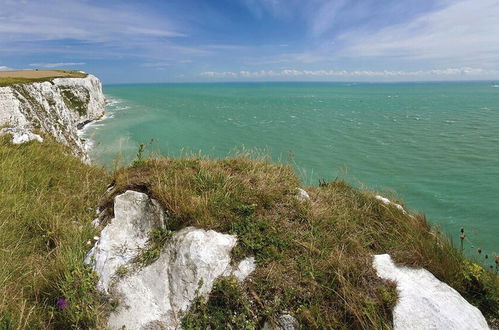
57 107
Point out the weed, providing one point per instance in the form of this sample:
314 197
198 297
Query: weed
157 239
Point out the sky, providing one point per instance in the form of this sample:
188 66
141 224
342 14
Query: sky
124 41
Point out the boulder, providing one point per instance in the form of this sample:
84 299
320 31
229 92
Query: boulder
135 215
156 296
425 302
159 293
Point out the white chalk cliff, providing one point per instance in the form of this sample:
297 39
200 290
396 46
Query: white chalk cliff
57 107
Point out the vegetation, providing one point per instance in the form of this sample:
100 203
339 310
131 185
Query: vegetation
47 202
314 258
75 102
13 77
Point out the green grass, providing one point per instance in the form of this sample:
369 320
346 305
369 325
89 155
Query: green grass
8 81
313 258
47 202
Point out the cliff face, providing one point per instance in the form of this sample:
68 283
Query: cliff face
57 107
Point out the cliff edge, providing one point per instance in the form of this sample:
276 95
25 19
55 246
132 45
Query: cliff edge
55 106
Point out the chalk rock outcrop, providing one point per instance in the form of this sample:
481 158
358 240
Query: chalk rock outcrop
20 135
57 107
425 302
135 215
155 296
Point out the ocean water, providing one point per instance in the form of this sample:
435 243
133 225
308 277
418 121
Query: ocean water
433 145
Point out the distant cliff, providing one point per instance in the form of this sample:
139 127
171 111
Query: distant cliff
58 107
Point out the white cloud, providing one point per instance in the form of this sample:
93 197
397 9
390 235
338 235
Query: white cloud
434 74
4 68
49 20
464 32
213 74
56 65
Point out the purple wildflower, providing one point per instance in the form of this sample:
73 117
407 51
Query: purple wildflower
61 303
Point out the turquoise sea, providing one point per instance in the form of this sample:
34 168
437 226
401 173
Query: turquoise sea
435 144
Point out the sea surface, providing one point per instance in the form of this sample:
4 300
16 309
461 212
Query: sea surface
433 145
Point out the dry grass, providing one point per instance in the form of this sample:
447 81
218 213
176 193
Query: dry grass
28 76
314 258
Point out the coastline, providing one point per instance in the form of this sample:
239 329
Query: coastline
85 132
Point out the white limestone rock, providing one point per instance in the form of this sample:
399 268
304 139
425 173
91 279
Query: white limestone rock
245 268
425 302
155 296
20 136
302 195
45 106
389 202
159 293
135 215
283 322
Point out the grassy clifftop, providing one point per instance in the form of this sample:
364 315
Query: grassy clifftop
313 257
8 78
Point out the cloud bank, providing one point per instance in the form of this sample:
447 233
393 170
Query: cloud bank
436 74
131 41
56 65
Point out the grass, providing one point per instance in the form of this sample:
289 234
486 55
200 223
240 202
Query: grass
5 80
47 202
313 258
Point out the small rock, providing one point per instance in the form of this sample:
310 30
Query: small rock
96 222
156 296
302 195
389 202
245 267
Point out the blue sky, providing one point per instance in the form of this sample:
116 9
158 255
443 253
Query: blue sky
254 40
